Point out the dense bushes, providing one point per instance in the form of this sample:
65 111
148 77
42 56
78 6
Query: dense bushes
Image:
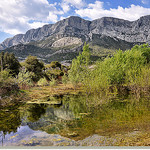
29 73
9 62
24 79
129 68
9 69
54 70
7 83
34 66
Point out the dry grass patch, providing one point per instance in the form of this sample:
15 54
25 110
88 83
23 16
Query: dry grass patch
49 94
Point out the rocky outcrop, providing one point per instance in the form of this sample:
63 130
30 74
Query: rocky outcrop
67 41
136 31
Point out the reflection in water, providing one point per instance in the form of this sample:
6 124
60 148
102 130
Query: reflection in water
116 116
35 111
76 120
9 121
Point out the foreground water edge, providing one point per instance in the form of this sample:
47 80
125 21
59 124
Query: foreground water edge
114 121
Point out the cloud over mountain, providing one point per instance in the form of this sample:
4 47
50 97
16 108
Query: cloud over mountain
96 10
17 16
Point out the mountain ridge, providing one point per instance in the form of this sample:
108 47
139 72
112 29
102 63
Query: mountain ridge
74 26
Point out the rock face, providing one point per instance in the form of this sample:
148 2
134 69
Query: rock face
136 31
66 41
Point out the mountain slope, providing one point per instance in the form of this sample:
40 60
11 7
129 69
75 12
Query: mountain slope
100 46
136 31
63 40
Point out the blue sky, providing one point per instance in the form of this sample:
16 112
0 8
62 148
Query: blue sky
18 16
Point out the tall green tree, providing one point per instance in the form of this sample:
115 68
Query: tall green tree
33 65
86 54
2 60
9 62
79 67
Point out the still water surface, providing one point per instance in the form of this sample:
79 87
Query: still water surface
78 120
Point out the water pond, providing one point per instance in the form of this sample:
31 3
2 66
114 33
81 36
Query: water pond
78 121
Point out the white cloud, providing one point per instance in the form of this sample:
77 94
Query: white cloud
35 25
75 3
61 18
65 7
67 4
96 10
17 16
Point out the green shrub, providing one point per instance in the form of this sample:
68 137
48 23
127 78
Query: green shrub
34 66
43 82
65 79
7 83
130 67
25 79
142 79
9 62
53 82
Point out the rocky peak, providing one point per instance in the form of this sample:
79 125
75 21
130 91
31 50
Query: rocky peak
143 23
70 25
79 23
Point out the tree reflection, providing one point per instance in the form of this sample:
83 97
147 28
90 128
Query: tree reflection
77 104
9 121
35 111
116 116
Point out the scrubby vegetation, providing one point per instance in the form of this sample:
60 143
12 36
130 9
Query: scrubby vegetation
126 70
89 92
15 76
7 83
